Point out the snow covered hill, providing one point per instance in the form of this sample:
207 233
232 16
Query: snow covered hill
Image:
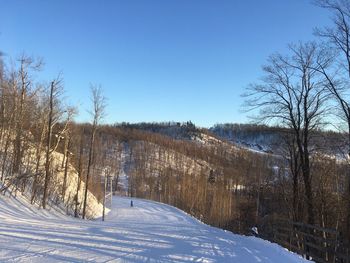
147 232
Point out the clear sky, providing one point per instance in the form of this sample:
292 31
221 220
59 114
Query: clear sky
157 60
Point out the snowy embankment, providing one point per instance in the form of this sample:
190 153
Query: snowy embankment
147 232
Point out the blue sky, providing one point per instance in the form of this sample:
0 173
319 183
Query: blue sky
157 60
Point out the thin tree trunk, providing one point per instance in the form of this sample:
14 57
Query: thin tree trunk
3 168
64 188
348 192
88 170
38 159
80 168
48 145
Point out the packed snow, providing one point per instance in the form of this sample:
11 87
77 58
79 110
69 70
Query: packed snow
146 232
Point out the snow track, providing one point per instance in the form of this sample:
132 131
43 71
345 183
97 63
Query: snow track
147 232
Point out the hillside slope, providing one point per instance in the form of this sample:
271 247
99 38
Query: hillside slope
147 232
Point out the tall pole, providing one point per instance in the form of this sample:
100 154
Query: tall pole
104 198
111 190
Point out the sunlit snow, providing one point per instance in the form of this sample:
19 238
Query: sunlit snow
147 232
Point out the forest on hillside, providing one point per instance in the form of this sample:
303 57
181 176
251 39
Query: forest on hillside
292 169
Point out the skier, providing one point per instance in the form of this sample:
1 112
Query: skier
254 231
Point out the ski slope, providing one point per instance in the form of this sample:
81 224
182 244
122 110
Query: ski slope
147 232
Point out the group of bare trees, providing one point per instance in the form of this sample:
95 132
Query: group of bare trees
220 184
293 93
234 188
307 90
38 137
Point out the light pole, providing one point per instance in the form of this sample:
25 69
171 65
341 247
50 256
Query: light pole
107 171
104 197
111 186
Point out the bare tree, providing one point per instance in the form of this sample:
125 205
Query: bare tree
80 171
99 105
18 95
55 115
48 144
23 88
293 95
338 37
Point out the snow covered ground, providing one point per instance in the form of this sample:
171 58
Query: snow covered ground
147 232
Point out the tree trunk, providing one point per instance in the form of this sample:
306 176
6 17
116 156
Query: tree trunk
48 145
64 188
88 170
80 168
38 159
348 192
